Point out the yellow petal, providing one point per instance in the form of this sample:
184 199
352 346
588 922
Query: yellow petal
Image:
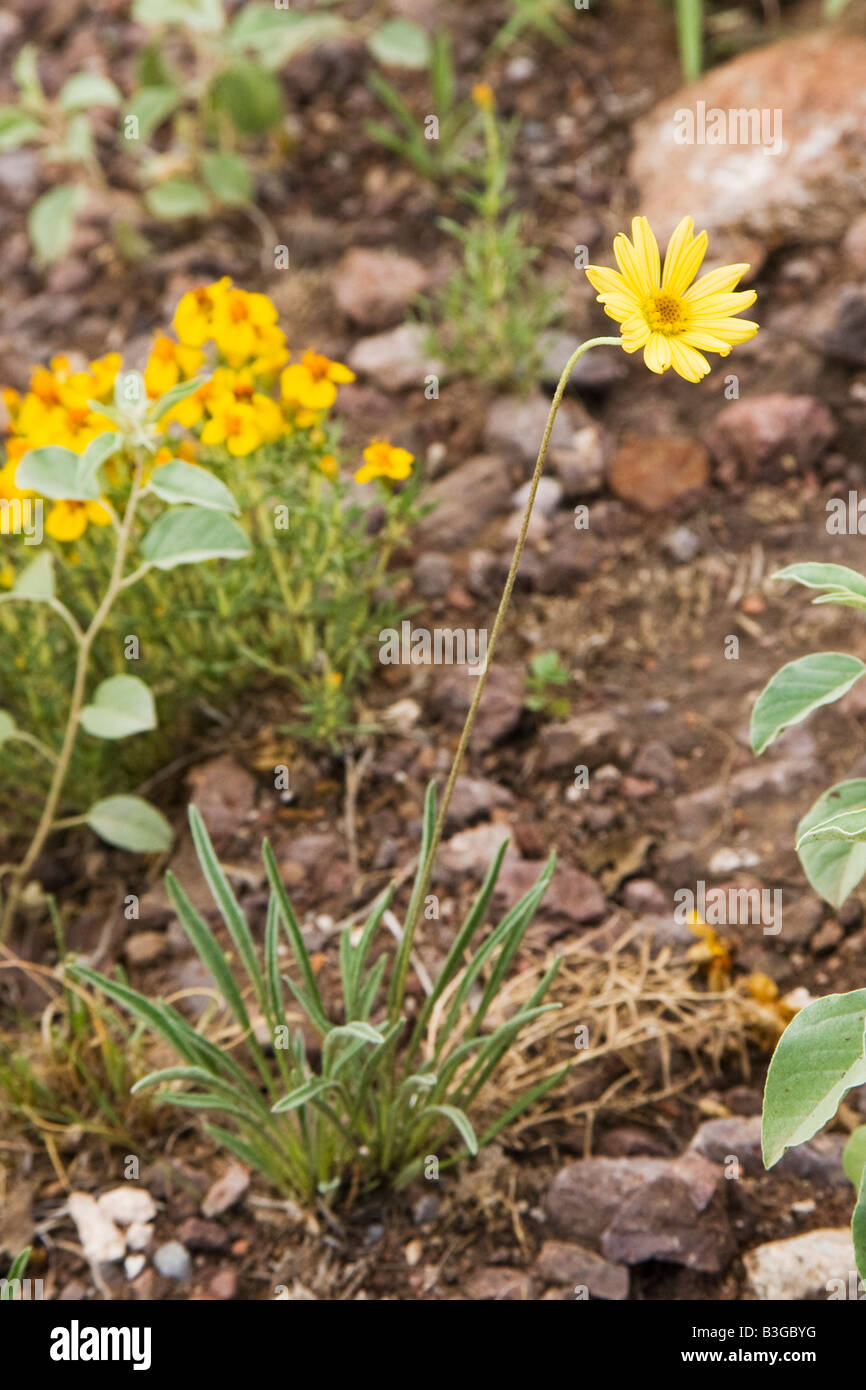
683 257
718 281
646 247
657 353
687 362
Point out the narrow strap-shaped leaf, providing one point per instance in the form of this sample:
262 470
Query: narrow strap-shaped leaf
276 1000
370 988
401 965
454 959
290 922
208 949
305 1093
361 951
227 903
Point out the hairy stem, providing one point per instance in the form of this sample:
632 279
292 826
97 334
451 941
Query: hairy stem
427 869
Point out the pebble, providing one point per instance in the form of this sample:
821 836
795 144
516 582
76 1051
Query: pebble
397 360
548 497
172 1261
561 1262
133 1265
682 544
433 575
226 1191
658 472
375 287
139 1235
727 861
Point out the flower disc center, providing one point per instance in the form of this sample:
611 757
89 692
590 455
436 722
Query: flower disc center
664 313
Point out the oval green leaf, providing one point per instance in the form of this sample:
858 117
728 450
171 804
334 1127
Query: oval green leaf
130 822
799 688
228 177
819 1057
190 534
36 580
400 43
122 705
177 198
177 481
833 866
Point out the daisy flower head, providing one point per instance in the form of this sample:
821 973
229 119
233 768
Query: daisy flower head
661 311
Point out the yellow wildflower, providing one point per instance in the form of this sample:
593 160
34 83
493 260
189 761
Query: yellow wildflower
169 363
194 316
384 460
67 521
329 465
311 384
482 95
245 331
235 424
672 323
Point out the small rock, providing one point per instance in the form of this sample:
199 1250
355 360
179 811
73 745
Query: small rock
656 761
475 797
197 1234
560 1262
482 569
500 711
402 716
854 243
737 1136
375 287
224 1284
100 1239
499 1284
452 522
580 466
802 1267
846 338
470 852
642 895
515 425
594 371
397 360
573 896
588 739
425 1210
145 947
727 861
133 1265
432 575
659 472
173 1261
768 437
681 544
127 1205
547 497
827 937
226 1191
225 794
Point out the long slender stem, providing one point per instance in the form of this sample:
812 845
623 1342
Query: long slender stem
427 870
61 767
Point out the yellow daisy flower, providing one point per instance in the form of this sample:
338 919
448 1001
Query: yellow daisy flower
384 460
661 311
236 425
67 521
194 315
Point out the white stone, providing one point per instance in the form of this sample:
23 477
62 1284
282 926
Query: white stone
101 1241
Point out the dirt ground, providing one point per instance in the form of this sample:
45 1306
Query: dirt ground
641 623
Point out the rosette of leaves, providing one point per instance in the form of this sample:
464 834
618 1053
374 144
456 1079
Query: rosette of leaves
378 1092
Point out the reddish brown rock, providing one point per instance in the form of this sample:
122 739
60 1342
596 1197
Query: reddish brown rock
809 189
374 287
660 473
499 1284
560 1262
768 437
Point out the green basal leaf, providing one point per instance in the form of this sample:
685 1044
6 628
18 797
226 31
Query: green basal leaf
400 43
818 1058
86 89
188 535
8 727
122 705
177 481
799 688
202 16
130 822
16 128
833 866
177 198
250 96
151 106
51 221
228 177
275 36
